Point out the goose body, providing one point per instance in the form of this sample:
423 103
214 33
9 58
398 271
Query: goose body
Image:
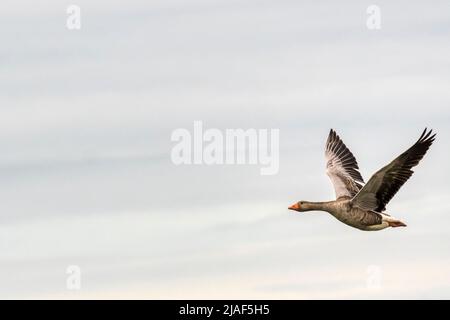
362 205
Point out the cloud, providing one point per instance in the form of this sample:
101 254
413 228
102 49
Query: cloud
85 126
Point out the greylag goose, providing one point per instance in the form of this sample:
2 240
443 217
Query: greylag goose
362 205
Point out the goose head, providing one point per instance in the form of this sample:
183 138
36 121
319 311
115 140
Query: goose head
301 206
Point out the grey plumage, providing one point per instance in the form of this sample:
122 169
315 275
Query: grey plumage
342 167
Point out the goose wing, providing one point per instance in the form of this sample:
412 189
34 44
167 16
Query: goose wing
385 183
342 167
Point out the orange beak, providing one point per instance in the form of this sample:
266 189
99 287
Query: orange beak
295 206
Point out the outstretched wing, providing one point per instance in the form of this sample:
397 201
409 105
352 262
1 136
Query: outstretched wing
342 167
385 183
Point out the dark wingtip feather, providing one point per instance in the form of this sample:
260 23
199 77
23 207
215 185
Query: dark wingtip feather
333 133
426 136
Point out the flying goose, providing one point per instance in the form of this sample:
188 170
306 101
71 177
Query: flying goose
362 205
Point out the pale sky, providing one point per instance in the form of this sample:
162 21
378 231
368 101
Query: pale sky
87 179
